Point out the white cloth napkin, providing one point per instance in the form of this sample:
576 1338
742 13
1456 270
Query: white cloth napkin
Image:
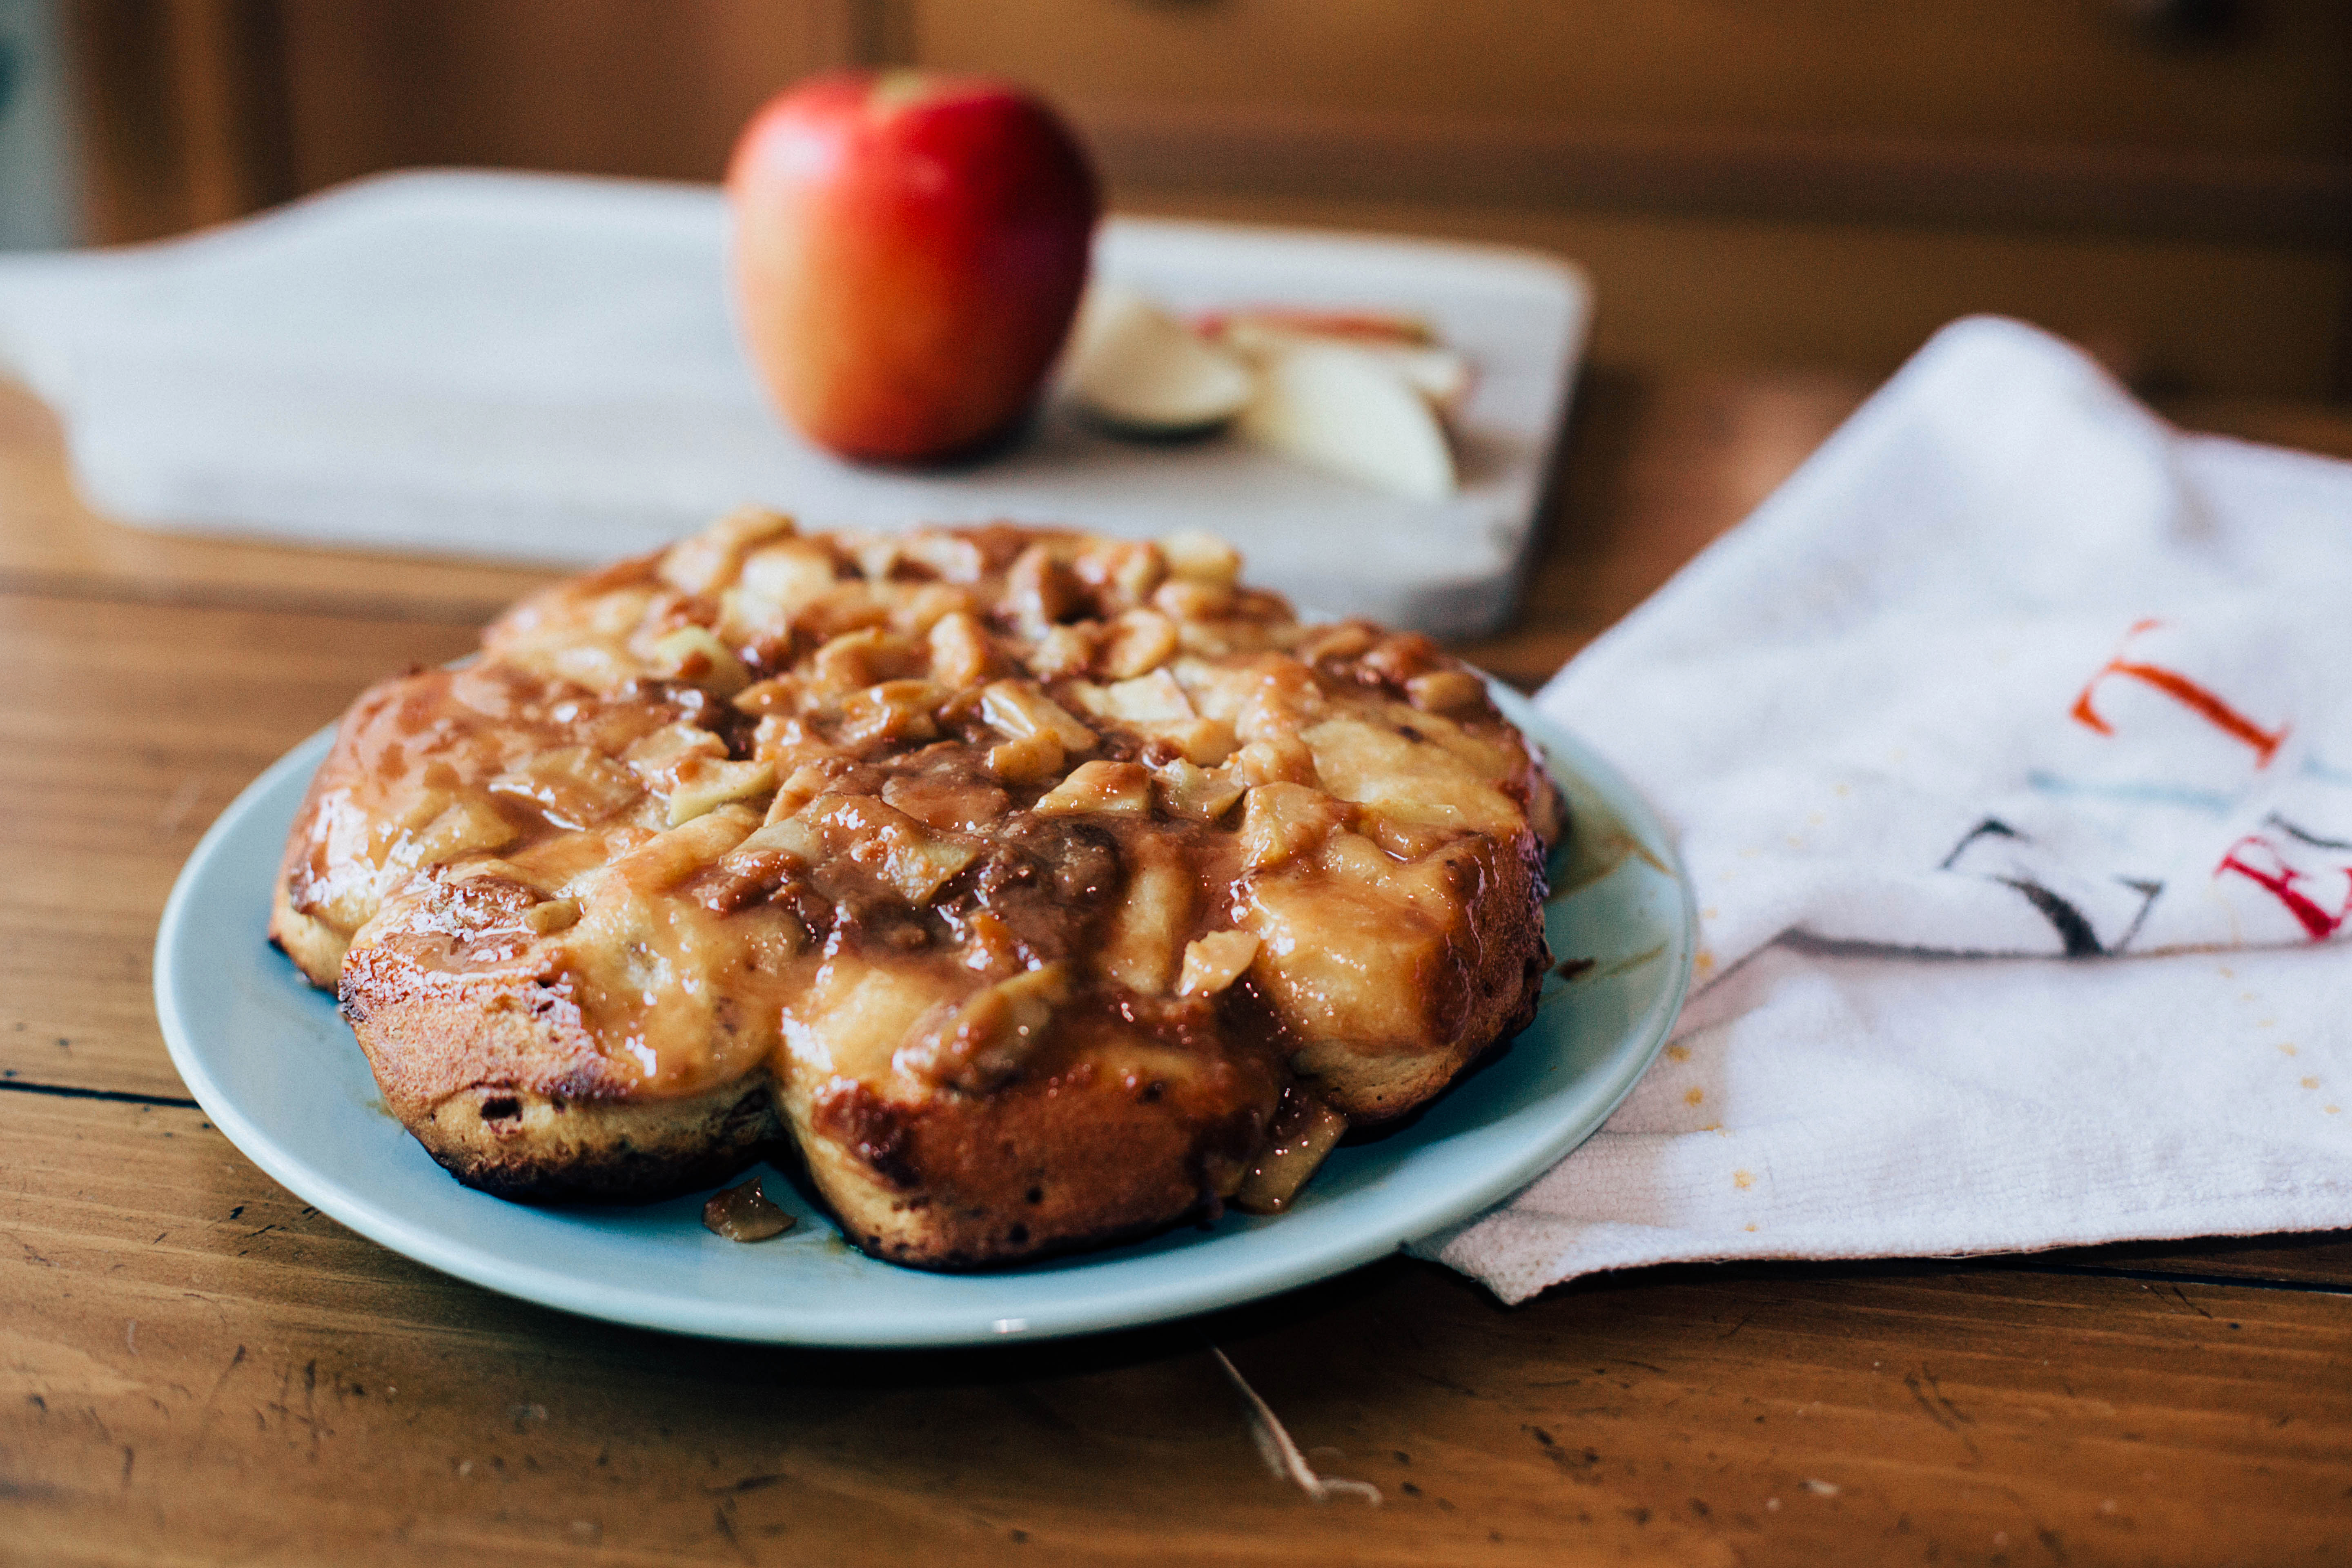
2008 746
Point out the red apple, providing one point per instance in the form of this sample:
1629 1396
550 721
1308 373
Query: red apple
908 250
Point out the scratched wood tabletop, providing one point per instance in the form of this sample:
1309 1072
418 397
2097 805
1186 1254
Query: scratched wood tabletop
196 1367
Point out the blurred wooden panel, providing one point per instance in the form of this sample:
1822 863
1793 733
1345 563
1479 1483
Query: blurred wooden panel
1692 290
618 87
1780 174
1797 182
2065 71
183 120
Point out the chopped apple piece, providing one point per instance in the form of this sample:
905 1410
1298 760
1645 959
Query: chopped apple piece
796 838
1304 1131
1207 742
696 656
912 858
1118 788
877 555
1153 699
790 576
962 654
704 783
915 861
892 710
1346 639
955 558
687 767
984 1042
744 1212
1415 778
1188 790
782 696
1202 558
947 801
1346 966
1405 840
589 664
924 605
918 863
1041 591
1356 857
1141 945
1437 373
1064 651
1140 641
469 824
1027 758
1216 961
1122 572
803 785
656 755
1445 690
703 562
1283 821
1139 371
1280 759
856 1018
1020 710
669 858
1187 599
858 659
1342 409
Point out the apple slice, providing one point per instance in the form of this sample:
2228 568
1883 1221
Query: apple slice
1426 366
1139 371
1359 326
1346 411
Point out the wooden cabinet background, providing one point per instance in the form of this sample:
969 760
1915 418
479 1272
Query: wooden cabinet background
1795 181
2060 71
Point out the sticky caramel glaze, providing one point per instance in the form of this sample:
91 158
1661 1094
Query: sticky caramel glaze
903 846
404 790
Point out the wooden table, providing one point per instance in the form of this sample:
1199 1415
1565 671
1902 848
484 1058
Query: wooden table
196 1367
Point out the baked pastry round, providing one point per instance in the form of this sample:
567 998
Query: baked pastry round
1041 889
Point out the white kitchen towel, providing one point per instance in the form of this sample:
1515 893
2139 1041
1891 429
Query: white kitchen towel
2008 746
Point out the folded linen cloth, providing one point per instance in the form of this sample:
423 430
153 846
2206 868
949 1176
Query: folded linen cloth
2008 746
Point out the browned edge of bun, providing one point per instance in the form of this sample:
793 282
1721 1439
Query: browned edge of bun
499 1079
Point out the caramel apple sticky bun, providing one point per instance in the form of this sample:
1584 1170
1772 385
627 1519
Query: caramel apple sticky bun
1041 889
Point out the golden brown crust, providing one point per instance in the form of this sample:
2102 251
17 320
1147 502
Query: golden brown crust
1088 1150
545 1148
1010 874
495 1073
1478 988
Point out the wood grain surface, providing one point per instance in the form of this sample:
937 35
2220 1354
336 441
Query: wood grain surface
195 1367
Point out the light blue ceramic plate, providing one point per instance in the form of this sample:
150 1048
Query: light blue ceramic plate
279 1072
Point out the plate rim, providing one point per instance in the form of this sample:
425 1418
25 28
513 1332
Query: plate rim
1404 1222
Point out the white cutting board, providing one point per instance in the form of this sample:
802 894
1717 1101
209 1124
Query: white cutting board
542 368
